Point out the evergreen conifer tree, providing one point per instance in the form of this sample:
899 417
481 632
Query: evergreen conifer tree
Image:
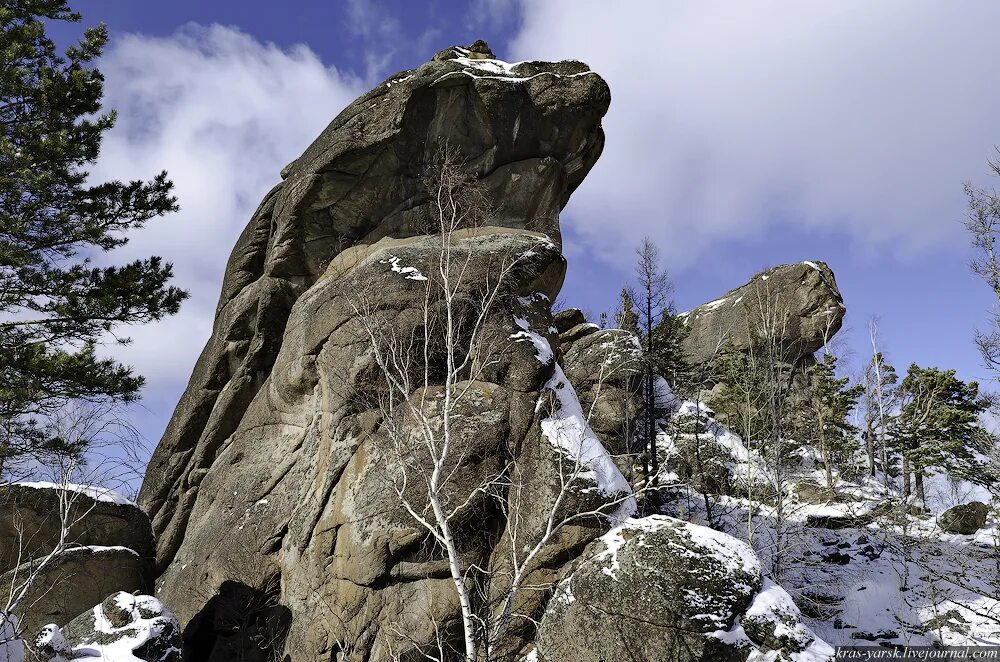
56 307
937 423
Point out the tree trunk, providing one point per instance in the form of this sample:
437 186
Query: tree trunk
870 447
825 452
906 477
650 395
701 465
918 480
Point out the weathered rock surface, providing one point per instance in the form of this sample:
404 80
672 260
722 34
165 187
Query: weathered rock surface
74 580
659 588
605 365
122 627
966 518
800 302
108 548
272 491
530 132
35 510
566 319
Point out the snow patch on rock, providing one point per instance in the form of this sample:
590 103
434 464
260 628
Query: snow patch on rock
543 351
93 491
567 429
409 273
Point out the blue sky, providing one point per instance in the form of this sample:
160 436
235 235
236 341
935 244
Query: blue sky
741 135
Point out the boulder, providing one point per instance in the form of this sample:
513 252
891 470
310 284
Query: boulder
811 492
802 300
660 588
567 318
966 518
281 440
576 332
98 517
108 548
605 365
122 628
74 581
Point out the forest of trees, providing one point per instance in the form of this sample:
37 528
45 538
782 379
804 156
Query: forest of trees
875 423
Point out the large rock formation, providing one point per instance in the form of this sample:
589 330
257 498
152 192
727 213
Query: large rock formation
107 547
284 523
797 304
530 132
268 490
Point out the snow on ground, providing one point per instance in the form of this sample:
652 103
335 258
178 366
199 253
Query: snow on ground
943 493
92 491
881 582
889 578
11 649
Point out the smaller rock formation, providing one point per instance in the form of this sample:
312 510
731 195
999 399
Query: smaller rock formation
122 628
800 301
604 365
69 583
109 548
567 318
657 587
966 518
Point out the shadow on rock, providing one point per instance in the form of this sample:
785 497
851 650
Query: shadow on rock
238 624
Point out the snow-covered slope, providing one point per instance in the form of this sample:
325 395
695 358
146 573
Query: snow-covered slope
861 566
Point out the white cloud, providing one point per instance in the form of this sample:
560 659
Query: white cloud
222 113
490 14
727 117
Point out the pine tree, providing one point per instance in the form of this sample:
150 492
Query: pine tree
653 302
740 403
626 317
937 422
670 361
824 419
55 305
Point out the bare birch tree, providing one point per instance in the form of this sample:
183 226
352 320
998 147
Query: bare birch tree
433 365
109 462
982 221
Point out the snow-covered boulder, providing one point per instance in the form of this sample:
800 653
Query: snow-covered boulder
966 518
123 628
774 630
660 588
